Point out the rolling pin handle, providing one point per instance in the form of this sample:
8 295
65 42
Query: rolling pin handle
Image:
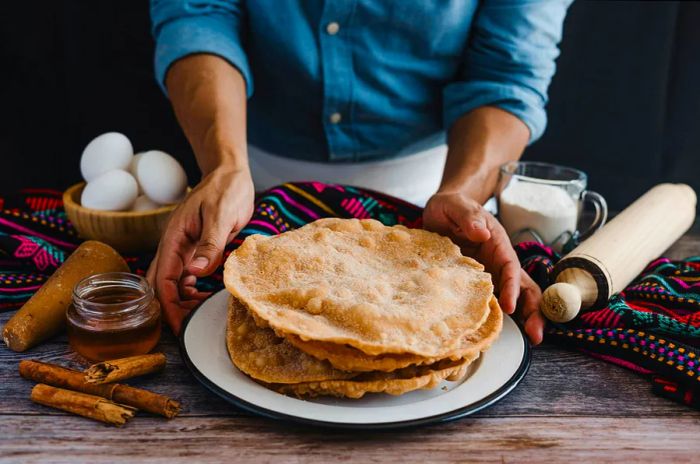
561 302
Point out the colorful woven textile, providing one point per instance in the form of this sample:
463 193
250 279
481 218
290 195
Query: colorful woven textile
653 327
35 236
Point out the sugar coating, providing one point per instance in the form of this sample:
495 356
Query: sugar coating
272 361
258 352
376 288
351 359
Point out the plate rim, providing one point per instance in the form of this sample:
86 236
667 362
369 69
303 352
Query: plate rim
449 416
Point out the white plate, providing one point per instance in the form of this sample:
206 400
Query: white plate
493 376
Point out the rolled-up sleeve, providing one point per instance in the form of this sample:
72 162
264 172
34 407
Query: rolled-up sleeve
186 27
509 61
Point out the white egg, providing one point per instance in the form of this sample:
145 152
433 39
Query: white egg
112 191
143 203
161 177
132 168
105 153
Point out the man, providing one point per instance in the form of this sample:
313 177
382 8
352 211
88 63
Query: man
354 91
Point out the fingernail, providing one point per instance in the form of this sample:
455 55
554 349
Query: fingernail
200 263
478 225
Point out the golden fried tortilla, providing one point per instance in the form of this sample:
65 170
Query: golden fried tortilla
394 383
351 359
262 355
378 289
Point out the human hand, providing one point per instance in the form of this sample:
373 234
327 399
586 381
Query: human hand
481 236
193 243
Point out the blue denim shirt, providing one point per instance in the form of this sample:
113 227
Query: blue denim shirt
353 80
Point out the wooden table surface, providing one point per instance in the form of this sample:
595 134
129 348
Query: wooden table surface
569 407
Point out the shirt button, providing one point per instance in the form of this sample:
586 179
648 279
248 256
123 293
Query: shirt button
333 28
335 118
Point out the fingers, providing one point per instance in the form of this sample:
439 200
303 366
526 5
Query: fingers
508 268
187 286
188 280
472 223
509 286
476 231
210 248
530 299
176 306
457 215
481 236
193 243
534 327
188 289
167 270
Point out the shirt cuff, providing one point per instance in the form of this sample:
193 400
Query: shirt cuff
462 97
205 34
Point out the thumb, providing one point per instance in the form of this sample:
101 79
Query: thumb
473 225
210 248
477 231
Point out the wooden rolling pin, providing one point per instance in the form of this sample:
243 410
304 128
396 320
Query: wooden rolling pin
609 260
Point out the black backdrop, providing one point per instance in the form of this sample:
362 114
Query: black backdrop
625 104
70 71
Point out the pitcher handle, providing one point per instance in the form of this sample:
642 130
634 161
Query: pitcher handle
601 212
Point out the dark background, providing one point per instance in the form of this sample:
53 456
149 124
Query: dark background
625 103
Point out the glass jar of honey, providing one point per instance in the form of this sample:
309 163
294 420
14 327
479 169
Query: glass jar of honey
113 315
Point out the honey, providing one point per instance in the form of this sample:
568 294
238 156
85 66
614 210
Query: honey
113 315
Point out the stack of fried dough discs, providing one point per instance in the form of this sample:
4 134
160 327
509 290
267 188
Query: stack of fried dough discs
345 307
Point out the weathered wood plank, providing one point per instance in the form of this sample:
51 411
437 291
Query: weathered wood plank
175 381
41 439
560 382
569 407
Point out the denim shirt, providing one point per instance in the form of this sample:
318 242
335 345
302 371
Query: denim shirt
355 80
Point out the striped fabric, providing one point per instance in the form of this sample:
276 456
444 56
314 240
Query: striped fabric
653 327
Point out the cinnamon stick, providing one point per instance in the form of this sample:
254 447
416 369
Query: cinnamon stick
90 406
147 401
62 377
124 368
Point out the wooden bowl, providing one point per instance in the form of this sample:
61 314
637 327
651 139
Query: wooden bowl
126 231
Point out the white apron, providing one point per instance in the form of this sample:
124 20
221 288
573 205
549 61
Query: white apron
414 178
